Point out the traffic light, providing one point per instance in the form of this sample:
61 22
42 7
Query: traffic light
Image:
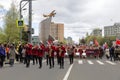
20 23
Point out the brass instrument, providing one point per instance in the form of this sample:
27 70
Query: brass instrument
50 52
60 51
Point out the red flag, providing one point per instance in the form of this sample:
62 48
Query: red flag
96 42
50 39
117 42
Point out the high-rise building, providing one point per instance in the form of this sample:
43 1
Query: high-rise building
56 30
112 30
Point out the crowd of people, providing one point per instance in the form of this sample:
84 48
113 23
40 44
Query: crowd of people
24 53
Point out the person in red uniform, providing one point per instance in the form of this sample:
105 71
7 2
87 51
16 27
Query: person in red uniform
46 54
51 55
62 52
40 54
34 54
57 54
28 54
80 52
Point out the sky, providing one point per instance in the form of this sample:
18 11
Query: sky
78 16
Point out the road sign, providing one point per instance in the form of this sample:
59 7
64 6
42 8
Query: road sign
20 23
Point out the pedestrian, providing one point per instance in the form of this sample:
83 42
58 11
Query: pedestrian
7 51
62 52
51 56
12 52
107 53
40 56
70 52
112 56
23 54
47 54
117 52
57 54
20 52
28 54
2 55
101 52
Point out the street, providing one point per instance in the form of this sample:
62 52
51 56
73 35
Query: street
82 69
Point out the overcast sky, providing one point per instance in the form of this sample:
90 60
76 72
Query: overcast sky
78 16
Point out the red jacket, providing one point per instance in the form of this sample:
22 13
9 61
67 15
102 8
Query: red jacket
29 50
53 50
63 52
40 52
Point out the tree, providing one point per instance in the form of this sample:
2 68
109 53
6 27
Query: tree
82 41
10 29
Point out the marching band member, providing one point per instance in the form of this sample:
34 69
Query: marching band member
62 54
57 54
51 56
28 54
34 54
46 54
40 54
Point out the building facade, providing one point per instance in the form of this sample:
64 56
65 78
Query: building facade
112 30
56 30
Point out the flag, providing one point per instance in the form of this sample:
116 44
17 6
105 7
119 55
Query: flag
50 39
96 42
117 42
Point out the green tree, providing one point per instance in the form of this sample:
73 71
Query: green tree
82 41
10 29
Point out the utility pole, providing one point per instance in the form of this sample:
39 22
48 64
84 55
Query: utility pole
30 21
20 19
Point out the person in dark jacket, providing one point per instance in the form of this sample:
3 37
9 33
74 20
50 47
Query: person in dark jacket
2 55
112 56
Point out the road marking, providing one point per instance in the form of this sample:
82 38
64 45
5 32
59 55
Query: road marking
111 62
80 61
101 63
68 72
90 62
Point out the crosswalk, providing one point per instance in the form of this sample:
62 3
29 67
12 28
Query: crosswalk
97 62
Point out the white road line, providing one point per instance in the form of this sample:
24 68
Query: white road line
68 73
90 62
101 63
80 62
111 62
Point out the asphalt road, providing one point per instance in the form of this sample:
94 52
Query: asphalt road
85 69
